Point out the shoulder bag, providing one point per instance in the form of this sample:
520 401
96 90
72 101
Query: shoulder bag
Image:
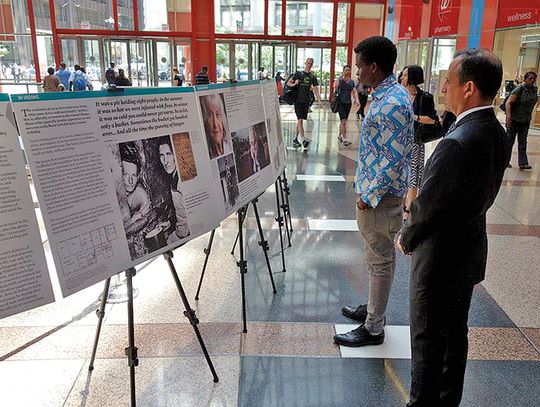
290 94
424 133
518 94
334 106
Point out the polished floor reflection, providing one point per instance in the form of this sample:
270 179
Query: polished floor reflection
287 357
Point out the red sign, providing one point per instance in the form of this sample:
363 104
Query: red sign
444 18
514 13
410 20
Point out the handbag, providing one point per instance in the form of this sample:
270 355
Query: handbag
502 106
334 105
424 133
290 94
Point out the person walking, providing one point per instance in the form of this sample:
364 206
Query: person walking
279 83
110 74
202 77
425 113
363 91
519 108
306 83
261 75
381 184
345 87
446 232
178 78
79 80
122 79
63 75
51 83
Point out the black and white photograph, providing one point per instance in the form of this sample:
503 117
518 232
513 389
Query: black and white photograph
229 181
150 200
251 150
216 125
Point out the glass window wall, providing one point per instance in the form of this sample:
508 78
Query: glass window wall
76 14
153 15
519 51
342 22
309 18
443 53
222 62
42 16
125 15
274 17
239 16
16 59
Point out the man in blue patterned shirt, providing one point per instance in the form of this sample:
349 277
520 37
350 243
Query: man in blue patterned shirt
381 183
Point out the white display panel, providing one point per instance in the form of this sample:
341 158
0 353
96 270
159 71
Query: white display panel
24 278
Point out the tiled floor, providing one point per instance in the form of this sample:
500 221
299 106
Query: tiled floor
287 357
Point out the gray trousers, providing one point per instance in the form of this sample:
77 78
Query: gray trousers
378 226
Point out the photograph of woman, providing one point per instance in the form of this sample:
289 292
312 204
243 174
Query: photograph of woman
216 126
179 216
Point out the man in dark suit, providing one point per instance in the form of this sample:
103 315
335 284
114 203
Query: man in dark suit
446 231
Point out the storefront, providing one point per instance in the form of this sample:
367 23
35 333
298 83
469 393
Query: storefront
435 53
517 41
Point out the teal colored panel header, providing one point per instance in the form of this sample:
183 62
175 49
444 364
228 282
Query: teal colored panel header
39 97
4 97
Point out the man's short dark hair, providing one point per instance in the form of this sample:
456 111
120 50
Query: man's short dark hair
128 153
50 70
379 50
483 68
415 75
529 74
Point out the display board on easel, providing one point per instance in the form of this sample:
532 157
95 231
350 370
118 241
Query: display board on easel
124 176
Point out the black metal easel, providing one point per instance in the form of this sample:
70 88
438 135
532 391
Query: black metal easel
287 191
131 350
242 212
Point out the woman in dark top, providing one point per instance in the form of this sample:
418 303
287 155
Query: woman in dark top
424 112
279 83
347 95
178 79
519 108
122 79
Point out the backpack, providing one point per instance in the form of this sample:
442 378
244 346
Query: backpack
79 83
289 94
502 106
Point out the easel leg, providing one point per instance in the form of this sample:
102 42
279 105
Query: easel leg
284 207
100 314
131 350
263 243
279 220
207 251
242 264
238 233
190 313
287 191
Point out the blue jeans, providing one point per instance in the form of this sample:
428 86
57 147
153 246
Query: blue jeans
521 130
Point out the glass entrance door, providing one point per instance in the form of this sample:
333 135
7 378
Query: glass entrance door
134 57
93 61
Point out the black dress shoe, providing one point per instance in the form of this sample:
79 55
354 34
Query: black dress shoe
358 314
359 337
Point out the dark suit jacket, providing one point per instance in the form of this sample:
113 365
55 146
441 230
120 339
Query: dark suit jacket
447 225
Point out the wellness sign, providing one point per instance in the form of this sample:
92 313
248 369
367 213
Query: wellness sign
514 13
